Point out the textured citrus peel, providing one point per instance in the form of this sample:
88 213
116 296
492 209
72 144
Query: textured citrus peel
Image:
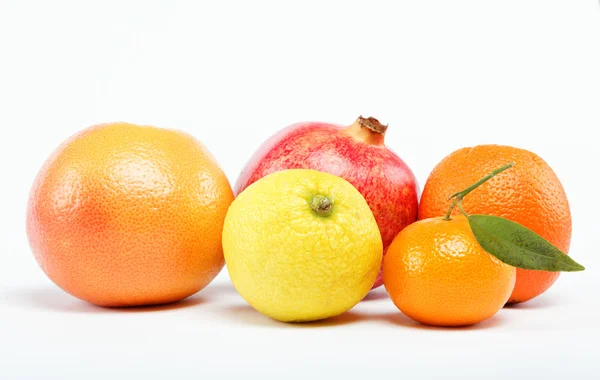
509 241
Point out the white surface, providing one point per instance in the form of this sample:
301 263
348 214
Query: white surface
443 74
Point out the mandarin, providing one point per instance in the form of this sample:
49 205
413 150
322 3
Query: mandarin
436 273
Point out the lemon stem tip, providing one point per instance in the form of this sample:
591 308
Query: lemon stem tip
321 205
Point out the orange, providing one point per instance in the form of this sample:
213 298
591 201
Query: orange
126 215
529 193
436 273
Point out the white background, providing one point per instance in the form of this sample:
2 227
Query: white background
443 74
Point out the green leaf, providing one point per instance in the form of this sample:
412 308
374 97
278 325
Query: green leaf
519 246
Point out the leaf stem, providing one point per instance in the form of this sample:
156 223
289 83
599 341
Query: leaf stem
452 205
462 209
458 197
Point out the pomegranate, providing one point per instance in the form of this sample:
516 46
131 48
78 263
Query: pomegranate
356 153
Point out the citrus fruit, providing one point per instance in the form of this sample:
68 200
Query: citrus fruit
301 245
529 194
125 215
436 273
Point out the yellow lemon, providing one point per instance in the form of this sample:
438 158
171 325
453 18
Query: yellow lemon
301 245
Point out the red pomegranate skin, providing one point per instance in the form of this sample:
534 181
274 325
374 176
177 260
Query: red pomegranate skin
385 181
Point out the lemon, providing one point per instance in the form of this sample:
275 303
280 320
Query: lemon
301 245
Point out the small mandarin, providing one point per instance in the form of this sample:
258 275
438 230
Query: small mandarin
436 273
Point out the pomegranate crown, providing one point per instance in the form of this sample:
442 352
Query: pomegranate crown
372 124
